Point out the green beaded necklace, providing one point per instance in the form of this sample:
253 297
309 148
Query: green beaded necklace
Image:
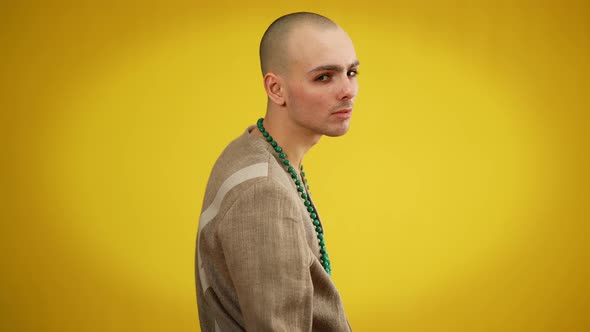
304 195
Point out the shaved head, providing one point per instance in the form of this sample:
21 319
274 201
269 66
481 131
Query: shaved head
274 53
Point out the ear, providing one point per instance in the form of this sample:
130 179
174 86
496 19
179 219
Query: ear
274 88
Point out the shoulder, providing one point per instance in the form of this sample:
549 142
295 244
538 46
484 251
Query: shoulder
240 161
265 195
247 171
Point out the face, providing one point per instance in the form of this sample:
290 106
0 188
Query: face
321 84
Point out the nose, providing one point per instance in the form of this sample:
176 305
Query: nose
348 88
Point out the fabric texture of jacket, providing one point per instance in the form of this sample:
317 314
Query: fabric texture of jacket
258 258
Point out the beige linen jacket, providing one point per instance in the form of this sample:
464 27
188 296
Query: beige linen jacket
257 260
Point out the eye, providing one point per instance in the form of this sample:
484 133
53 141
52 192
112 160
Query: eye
323 78
352 73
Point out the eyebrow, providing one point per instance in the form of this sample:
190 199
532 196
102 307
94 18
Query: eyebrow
334 67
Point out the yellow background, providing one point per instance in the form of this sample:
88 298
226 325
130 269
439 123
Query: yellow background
458 201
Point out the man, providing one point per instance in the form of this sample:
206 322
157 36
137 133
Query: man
262 263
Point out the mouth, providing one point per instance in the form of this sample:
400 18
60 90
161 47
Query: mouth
345 113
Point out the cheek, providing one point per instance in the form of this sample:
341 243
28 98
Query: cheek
318 94
295 94
307 96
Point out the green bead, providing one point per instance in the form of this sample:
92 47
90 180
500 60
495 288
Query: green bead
265 134
294 176
310 209
321 236
286 162
304 196
307 203
261 129
297 182
301 167
302 173
290 169
318 229
278 149
323 250
322 243
260 120
316 222
326 265
313 216
273 143
269 138
282 155
307 187
325 256
300 189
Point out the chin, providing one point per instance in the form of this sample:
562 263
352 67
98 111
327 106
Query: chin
336 132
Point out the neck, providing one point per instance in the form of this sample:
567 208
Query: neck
294 140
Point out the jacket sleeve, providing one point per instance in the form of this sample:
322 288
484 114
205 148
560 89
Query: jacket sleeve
268 259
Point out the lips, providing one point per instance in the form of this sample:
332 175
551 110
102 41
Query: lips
343 113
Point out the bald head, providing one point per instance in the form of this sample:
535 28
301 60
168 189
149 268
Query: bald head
274 50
